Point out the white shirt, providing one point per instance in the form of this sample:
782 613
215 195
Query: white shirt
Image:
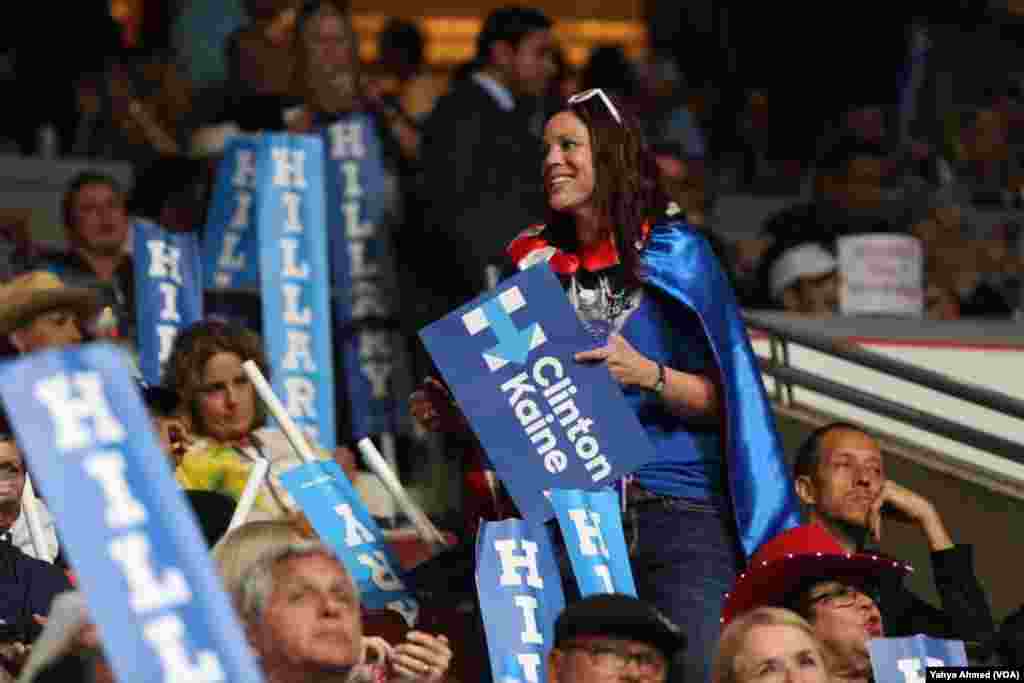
22 540
501 94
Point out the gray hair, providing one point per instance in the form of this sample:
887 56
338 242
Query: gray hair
257 582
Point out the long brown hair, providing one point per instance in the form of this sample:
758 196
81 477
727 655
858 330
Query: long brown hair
627 191
196 345
302 77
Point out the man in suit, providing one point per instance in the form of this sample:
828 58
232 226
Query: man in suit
481 161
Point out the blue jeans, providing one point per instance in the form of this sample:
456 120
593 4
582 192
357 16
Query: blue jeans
684 557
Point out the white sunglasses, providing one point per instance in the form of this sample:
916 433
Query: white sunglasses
597 92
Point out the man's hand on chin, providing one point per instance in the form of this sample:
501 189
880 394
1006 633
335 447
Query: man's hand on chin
900 503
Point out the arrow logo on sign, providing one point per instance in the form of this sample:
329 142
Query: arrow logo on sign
514 344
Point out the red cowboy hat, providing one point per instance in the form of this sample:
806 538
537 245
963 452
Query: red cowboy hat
782 564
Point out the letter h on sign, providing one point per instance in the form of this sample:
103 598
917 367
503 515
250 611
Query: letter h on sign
512 561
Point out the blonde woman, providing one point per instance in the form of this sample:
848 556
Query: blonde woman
770 644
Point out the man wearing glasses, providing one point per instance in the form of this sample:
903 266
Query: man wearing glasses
612 637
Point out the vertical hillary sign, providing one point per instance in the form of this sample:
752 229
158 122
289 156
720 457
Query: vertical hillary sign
127 529
591 525
294 281
363 272
229 239
340 518
904 660
520 592
168 292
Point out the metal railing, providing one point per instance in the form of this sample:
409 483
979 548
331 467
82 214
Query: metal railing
786 377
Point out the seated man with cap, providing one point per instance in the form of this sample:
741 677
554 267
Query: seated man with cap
805 280
37 311
608 636
806 570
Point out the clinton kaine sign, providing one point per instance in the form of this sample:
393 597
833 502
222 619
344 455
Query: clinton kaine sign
545 420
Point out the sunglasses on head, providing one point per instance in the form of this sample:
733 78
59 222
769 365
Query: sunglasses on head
597 92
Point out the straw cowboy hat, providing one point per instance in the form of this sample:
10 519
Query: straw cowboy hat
31 294
787 562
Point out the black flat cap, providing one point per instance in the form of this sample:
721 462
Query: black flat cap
612 615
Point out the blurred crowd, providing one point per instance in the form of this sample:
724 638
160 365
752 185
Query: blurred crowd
169 110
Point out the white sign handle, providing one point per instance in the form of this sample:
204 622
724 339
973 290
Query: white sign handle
291 430
379 466
30 509
249 493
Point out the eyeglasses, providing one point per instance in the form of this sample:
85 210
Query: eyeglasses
840 597
597 92
613 658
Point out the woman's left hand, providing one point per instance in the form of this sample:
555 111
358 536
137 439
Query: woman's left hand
628 366
421 657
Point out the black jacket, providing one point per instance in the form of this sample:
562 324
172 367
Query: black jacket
27 587
481 185
965 613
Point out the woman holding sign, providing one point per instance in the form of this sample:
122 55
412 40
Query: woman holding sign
226 417
666 324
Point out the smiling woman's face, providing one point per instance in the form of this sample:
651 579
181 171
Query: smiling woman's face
569 178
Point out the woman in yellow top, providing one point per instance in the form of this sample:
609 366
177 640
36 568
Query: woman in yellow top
227 419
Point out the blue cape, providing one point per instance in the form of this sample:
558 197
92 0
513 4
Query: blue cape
679 262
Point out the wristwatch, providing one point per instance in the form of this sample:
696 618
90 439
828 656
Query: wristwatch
659 386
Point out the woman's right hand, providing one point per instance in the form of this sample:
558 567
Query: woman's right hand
434 408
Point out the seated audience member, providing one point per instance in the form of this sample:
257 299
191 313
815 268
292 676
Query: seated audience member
37 311
243 545
226 418
805 280
13 521
27 587
988 169
612 636
97 228
300 609
770 644
848 200
911 164
806 570
965 276
840 477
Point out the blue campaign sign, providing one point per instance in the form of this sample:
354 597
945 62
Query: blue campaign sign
520 592
545 421
168 292
129 533
230 256
591 525
294 282
341 519
904 660
362 266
